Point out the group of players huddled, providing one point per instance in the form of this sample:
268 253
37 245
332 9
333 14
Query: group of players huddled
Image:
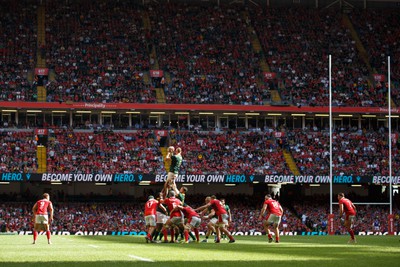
183 218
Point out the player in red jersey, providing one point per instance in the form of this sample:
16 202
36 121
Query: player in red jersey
211 224
41 211
193 221
347 207
273 218
223 217
150 210
175 218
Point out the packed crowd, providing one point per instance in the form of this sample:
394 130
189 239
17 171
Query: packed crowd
231 153
98 51
18 152
208 52
305 74
104 152
17 51
355 152
103 53
380 38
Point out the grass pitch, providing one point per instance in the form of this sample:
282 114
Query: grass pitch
91 251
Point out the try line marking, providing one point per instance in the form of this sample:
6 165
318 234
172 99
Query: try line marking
140 258
93 246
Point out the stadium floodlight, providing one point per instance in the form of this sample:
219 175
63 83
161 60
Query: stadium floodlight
59 111
368 116
182 113
8 110
157 112
187 184
274 114
230 185
229 113
33 111
298 114
252 114
321 115
4 182
345 115
206 113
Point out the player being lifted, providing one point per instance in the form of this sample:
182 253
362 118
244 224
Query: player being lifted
223 216
174 156
41 219
273 217
347 207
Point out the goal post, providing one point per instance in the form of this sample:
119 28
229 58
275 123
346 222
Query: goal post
331 216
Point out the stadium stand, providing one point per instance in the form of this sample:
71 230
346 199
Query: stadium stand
104 152
304 76
98 51
208 53
17 51
355 152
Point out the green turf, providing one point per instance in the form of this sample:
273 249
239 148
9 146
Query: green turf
251 251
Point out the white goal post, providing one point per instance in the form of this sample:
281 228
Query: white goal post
331 216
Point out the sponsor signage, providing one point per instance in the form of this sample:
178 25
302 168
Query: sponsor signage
156 73
142 233
269 75
379 77
42 71
195 178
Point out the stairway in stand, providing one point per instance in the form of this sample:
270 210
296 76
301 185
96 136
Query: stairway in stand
40 53
290 162
256 44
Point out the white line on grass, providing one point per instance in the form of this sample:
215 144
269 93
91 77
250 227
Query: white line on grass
140 258
93 246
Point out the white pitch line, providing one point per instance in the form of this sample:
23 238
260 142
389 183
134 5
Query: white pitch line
93 246
140 258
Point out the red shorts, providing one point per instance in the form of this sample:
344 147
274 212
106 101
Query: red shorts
350 216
